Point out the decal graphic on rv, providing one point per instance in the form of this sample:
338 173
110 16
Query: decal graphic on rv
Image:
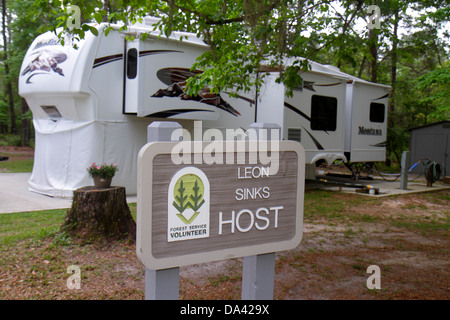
104 60
382 97
291 107
310 85
176 78
379 145
115 57
47 60
369 131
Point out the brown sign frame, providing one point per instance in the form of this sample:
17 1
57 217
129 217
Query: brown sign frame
249 212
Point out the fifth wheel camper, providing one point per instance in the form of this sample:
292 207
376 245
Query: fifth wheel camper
94 103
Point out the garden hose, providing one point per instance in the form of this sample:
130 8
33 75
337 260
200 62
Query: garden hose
432 171
396 175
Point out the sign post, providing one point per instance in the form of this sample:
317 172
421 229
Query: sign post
258 272
258 276
203 201
406 158
162 284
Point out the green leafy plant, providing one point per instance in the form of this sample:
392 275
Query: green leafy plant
103 170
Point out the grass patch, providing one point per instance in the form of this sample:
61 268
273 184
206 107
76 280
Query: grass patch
15 227
437 197
366 218
20 226
426 226
323 204
336 206
16 166
132 207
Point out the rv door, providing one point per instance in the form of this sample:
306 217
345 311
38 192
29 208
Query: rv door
132 98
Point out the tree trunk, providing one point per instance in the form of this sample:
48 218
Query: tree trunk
107 8
394 62
9 90
361 67
373 49
25 123
99 214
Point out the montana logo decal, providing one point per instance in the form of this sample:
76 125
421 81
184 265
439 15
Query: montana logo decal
188 205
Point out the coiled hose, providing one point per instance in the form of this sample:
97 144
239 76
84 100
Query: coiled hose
432 171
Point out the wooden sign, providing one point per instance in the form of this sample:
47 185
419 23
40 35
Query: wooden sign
191 213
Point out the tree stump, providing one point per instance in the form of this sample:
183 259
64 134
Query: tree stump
100 213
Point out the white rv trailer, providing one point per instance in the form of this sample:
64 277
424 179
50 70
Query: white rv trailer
334 115
94 103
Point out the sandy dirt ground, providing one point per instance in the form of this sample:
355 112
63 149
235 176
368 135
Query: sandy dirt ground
405 236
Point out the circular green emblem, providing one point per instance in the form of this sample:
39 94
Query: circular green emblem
188 194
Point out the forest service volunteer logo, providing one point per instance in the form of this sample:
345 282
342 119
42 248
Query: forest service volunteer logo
188 205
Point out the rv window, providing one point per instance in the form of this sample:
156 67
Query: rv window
132 63
323 113
376 112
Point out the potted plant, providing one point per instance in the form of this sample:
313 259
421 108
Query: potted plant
102 174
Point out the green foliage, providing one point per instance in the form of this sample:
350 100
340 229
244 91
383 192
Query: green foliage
10 140
436 85
243 35
248 36
103 170
22 28
62 239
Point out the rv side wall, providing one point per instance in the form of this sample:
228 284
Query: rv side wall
270 104
369 123
157 89
316 116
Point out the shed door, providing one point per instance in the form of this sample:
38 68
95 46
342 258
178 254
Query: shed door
430 145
